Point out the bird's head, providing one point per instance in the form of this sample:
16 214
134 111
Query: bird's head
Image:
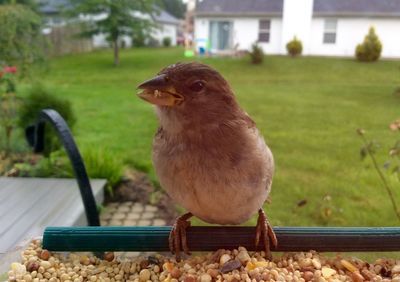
185 87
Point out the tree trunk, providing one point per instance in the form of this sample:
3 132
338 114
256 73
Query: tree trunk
116 52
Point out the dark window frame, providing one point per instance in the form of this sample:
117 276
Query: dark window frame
264 30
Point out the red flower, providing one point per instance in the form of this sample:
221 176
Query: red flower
10 69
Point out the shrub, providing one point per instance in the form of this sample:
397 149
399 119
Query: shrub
294 47
370 49
256 54
166 42
40 98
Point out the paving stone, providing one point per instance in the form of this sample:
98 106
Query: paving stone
112 205
119 215
147 215
124 208
150 208
136 208
105 215
130 222
111 209
126 204
115 222
159 222
103 222
133 215
144 222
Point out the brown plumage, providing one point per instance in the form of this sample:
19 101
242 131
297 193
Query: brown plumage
208 154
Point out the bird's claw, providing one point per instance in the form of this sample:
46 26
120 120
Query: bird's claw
265 232
177 237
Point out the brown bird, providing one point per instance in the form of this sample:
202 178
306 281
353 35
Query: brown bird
208 154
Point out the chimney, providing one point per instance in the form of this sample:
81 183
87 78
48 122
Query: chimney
296 21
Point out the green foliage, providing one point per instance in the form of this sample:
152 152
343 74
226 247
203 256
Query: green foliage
175 7
256 54
294 47
370 148
119 20
370 49
102 163
40 98
21 39
166 41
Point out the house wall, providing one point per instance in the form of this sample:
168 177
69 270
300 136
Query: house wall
166 30
351 31
245 32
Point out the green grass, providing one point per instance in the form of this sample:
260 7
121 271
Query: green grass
307 108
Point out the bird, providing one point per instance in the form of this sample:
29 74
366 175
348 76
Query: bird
207 153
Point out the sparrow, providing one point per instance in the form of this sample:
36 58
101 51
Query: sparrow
208 154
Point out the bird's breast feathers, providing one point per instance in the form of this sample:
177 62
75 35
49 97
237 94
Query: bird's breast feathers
221 176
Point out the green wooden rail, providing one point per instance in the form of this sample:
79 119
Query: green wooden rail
322 239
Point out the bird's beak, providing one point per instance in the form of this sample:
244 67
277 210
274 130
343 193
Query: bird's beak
159 91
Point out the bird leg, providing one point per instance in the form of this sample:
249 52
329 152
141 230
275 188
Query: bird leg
177 236
265 232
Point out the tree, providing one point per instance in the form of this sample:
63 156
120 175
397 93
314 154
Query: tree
370 49
21 39
175 7
114 18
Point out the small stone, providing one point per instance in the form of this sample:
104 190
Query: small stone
85 260
168 266
137 208
367 274
396 279
348 265
243 256
109 256
308 276
130 222
32 266
205 277
213 272
119 215
124 209
115 222
306 262
316 263
133 216
357 277
396 269
45 254
327 272
144 264
230 265
18 268
45 264
176 273
144 275
224 258
189 279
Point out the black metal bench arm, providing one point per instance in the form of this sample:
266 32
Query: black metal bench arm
35 137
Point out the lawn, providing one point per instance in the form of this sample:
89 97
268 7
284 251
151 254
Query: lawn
307 108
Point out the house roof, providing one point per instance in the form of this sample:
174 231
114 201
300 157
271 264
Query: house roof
357 7
238 7
384 8
165 17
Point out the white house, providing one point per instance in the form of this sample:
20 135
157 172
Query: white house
325 27
166 24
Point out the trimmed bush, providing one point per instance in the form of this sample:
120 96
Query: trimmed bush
40 98
166 42
370 49
256 54
294 47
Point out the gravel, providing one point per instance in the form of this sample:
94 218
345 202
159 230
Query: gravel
38 265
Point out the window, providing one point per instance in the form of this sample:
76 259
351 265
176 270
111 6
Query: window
264 30
330 31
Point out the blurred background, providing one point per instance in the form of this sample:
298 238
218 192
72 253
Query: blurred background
321 79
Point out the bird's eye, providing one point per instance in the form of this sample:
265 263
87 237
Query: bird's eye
197 86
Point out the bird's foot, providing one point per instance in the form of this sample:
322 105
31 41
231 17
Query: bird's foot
177 236
265 232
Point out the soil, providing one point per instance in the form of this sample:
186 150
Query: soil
137 187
